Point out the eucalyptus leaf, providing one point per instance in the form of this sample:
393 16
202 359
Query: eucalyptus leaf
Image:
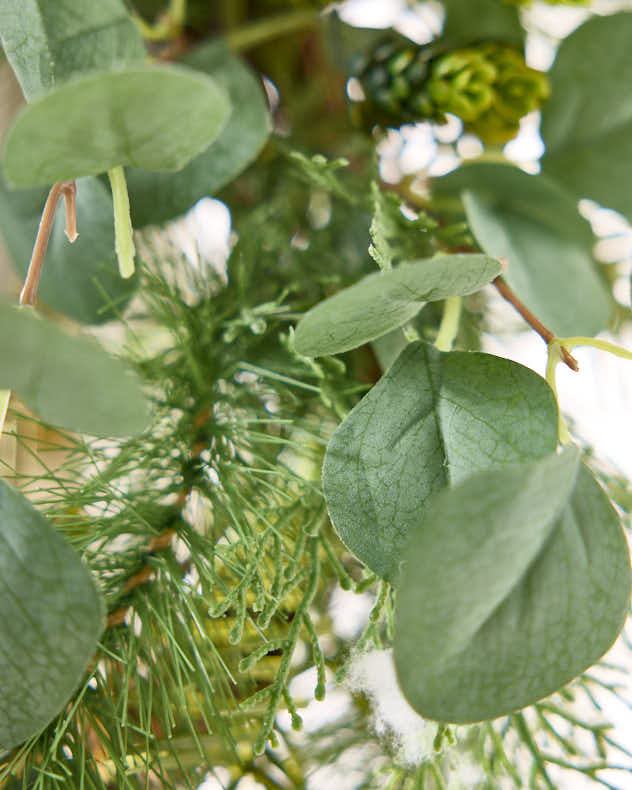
533 223
385 301
432 420
52 617
157 118
49 41
472 21
81 279
158 197
517 581
587 123
68 380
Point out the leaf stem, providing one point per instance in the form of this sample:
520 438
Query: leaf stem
449 323
555 356
602 345
271 27
545 333
169 23
123 231
28 294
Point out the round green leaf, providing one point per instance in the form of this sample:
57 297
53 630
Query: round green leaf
52 617
587 123
157 118
68 380
433 419
533 223
387 300
517 581
48 41
81 279
157 197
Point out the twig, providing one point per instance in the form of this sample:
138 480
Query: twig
68 190
507 293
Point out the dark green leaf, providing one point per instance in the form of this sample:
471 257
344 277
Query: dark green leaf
387 300
157 118
157 197
516 581
49 41
534 224
471 21
51 619
431 421
79 279
67 380
587 123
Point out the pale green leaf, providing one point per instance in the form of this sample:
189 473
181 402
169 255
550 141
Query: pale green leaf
52 616
68 380
533 224
387 300
157 118
49 41
81 279
587 123
433 419
157 197
516 582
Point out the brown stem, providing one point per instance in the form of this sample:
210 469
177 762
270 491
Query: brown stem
66 188
70 195
507 293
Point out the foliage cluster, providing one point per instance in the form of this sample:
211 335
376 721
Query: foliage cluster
290 422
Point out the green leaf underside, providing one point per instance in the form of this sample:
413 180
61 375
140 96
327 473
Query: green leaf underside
587 123
531 222
157 197
471 21
432 420
516 582
157 118
67 380
387 300
49 41
52 617
78 279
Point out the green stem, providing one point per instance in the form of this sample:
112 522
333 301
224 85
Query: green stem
555 356
169 24
449 323
271 27
602 345
123 231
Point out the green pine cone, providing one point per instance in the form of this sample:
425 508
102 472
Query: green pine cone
489 87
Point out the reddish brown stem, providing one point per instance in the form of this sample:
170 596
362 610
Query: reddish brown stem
68 189
545 333
70 196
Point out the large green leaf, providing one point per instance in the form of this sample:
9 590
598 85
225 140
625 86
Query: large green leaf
516 581
470 21
68 380
51 619
587 123
157 118
386 300
49 41
157 197
433 419
78 279
534 224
